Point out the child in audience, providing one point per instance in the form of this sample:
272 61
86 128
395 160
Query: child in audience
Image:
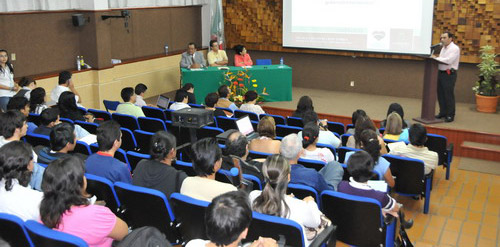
37 100
310 135
267 133
250 100
394 128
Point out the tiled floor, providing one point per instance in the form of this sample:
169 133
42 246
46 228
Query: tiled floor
464 211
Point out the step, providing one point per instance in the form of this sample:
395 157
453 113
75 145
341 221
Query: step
479 165
482 151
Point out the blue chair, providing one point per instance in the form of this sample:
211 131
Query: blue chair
190 214
13 232
344 138
294 121
99 114
208 131
37 139
110 105
314 164
284 130
67 120
103 189
184 166
43 236
332 148
82 110
257 185
34 118
336 127
126 121
128 140
147 207
263 61
143 139
251 115
381 130
359 219
168 114
258 155
225 109
154 112
151 124
302 191
82 148
342 151
439 144
349 126
196 106
226 123
277 118
134 158
90 127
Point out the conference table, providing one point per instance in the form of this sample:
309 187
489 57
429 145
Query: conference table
276 80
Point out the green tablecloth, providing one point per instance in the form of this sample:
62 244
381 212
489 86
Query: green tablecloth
275 79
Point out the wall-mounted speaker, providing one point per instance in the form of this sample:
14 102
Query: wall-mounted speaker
78 20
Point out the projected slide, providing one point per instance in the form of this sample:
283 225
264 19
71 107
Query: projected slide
393 26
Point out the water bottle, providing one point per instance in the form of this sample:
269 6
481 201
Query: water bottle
166 49
281 62
78 65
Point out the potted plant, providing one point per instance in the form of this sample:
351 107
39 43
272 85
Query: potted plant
487 85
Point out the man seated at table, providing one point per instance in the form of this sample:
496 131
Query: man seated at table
128 107
191 59
181 100
216 57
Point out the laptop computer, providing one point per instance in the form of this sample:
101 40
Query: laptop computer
246 128
162 102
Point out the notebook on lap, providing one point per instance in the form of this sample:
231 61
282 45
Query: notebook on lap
162 102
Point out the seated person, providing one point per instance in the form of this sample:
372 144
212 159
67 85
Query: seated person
48 119
272 200
37 100
227 219
65 206
140 90
65 84
157 173
207 160
266 142
237 147
192 59
355 115
304 105
370 144
189 88
223 101
16 196
394 128
325 135
241 57
23 105
326 179
62 141
102 163
417 149
249 103
363 123
215 56
210 102
309 140
69 109
181 100
128 107
395 107
27 84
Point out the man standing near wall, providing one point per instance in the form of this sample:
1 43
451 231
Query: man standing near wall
191 59
450 54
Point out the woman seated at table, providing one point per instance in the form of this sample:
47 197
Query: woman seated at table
249 105
267 132
241 57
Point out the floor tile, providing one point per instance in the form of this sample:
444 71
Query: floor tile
453 225
470 228
459 214
483 242
474 216
432 234
449 237
467 241
488 232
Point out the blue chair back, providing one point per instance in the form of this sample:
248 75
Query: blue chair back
251 115
263 61
43 236
257 185
13 232
258 155
126 121
134 158
439 144
110 105
190 213
103 189
208 131
344 138
332 148
336 127
274 227
184 166
342 151
143 139
151 124
104 115
67 120
34 118
37 139
284 130
314 164
277 118
128 140
154 112
82 148
226 123
302 191
294 121
90 127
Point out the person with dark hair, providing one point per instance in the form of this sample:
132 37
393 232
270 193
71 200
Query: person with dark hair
140 90
227 219
181 100
241 56
304 105
27 84
266 141
272 200
210 101
62 141
8 87
157 172
310 137
37 100
447 76
65 85
395 107
249 103
16 167
21 104
68 108
355 115
192 59
223 101
128 106
102 163
48 119
394 128
325 135
215 56
363 123
189 88
417 149
65 206
237 147
207 160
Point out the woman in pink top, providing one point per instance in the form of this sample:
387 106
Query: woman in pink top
65 206
241 57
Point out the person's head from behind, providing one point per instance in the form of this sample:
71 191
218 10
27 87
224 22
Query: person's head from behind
305 104
276 171
211 99
418 135
67 102
13 125
191 49
128 95
223 91
27 82
65 78
251 97
396 107
363 123
181 96
16 163
310 117
267 127
163 146
227 218
206 156
188 87
214 45
310 134
50 117
62 138
360 166
37 97
291 148
394 124
109 136
63 186
356 114
240 50
19 104
140 89
236 144
369 142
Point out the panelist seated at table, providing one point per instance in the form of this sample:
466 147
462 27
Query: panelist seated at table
192 59
241 57
216 57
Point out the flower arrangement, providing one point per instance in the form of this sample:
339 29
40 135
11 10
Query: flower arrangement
239 83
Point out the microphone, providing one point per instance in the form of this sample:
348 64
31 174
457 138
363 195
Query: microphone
436 45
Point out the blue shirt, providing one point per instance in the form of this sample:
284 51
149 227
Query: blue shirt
108 167
310 177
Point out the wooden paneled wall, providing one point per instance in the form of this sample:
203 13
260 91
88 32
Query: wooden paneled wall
258 25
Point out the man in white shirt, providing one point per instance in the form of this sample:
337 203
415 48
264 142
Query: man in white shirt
181 100
65 84
447 76
140 89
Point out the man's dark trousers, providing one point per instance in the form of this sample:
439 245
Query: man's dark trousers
446 93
